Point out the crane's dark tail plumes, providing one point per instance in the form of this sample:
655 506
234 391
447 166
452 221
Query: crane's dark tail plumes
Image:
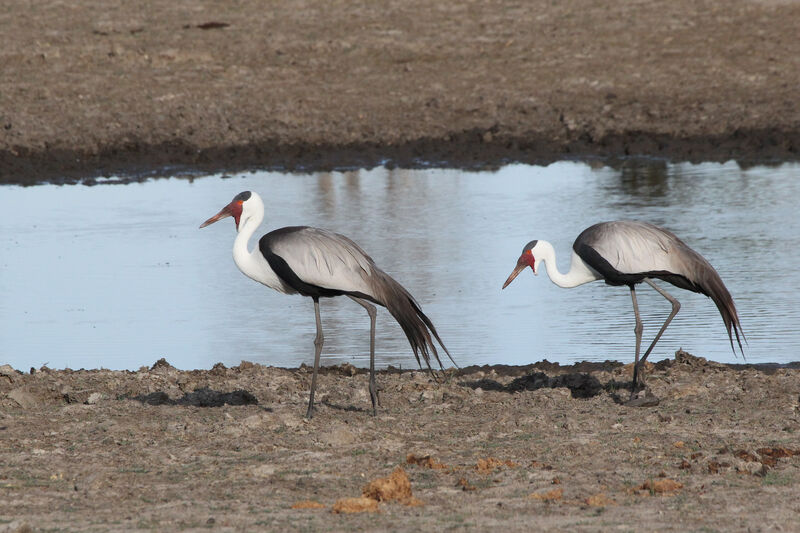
709 283
717 291
416 325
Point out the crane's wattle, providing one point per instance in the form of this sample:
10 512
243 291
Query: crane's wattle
233 209
524 261
236 211
527 260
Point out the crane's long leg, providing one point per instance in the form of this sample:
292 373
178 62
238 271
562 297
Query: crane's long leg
676 306
318 340
638 330
373 390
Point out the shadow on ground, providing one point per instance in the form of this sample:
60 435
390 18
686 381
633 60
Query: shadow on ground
204 397
580 385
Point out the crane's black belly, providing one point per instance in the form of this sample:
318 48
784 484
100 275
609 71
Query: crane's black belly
291 279
612 276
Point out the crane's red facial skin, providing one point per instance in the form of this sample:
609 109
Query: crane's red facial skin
233 209
529 259
525 260
236 211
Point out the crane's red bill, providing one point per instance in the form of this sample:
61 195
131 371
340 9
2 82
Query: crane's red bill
224 213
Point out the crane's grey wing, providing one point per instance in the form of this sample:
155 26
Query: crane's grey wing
317 262
630 249
319 258
626 251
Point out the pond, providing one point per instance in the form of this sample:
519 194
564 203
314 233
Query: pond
119 275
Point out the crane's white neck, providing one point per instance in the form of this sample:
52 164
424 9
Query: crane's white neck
579 272
248 224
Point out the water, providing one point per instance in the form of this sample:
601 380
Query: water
118 276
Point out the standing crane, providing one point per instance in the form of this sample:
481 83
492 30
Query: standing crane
627 252
318 263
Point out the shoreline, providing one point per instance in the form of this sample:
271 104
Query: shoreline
496 368
93 90
465 151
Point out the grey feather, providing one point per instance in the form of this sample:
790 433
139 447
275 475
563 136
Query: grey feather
322 258
636 250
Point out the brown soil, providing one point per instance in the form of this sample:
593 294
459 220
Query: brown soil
494 448
99 87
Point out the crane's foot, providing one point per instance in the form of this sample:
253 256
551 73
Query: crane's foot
375 397
375 405
643 398
638 386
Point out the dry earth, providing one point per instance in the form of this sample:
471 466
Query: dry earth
494 448
93 87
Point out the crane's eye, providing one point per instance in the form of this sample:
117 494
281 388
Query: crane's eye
240 202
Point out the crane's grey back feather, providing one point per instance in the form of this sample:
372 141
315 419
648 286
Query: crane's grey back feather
320 258
627 251
320 263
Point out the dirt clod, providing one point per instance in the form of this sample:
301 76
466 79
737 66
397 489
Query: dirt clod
549 495
395 487
661 486
714 467
425 461
744 455
778 452
465 485
488 465
308 504
600 500
362 504
162 364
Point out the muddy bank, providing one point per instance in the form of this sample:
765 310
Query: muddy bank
96 88
493 447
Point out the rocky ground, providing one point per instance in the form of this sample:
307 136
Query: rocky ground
493 448
93 87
